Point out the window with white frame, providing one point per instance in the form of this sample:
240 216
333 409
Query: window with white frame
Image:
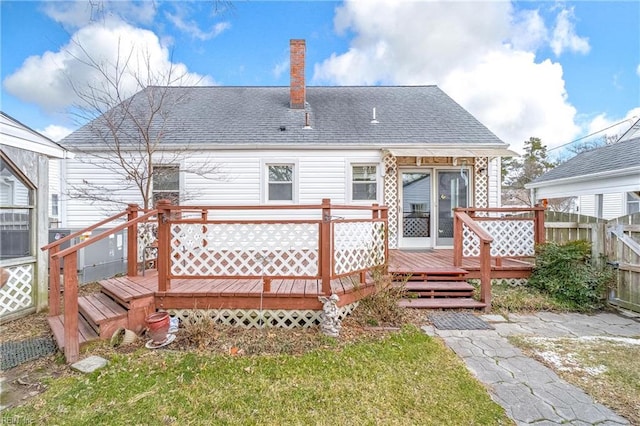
166 183
280 182
633 202
55 205
17 211
364 182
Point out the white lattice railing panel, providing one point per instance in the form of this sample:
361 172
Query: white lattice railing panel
391 197
17 293
481 173
255 318
255 249
147 235
511 238
357 246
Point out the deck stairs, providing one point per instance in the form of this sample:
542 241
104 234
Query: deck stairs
119 304
436 288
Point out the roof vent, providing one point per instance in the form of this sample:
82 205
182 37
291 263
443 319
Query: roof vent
283 128
373 120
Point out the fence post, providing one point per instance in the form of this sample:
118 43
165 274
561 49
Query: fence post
132 241
164 216
485 274
326 248
598 252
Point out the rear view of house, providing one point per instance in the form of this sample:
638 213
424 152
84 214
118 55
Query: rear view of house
411 148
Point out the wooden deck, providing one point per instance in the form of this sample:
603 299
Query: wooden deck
435 262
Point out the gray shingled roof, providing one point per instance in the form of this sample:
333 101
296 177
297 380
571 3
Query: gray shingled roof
618 156
339 115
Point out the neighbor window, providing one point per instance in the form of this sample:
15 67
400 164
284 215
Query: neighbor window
633 202
280 177
55 205
166 183
16 213
364 183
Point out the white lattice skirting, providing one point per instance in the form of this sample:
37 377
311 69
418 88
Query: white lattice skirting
255 318
17 293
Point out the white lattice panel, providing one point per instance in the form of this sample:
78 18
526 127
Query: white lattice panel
278 250
255 318
17 293
391 197
147 235
357 246
510 238
481 173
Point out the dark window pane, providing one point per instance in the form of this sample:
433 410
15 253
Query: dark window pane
280 192
166 178
15 233
364 191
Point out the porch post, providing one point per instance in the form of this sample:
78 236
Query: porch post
539 236
457 239
326 252
71 338
54 282
485 274
164 214
132 241
385 216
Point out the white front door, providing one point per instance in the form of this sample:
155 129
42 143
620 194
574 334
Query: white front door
415 188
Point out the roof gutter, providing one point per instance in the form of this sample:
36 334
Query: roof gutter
592 176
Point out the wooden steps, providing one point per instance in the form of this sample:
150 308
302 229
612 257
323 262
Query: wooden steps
440 287
86 333
103 314
442 303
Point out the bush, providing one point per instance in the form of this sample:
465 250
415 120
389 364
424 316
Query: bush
566 273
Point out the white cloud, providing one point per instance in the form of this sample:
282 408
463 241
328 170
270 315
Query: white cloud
55 132
482 55
602 125
280 68
638 70
45 80
564 35
191 27
79 13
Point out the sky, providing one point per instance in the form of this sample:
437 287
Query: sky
558 70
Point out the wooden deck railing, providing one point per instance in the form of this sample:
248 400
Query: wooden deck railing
194 245
495 234
69 259
190 244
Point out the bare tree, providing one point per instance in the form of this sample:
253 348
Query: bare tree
130 136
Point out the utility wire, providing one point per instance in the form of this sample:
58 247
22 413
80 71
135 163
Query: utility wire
592 134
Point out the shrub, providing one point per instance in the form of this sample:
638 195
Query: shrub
381 308
566 273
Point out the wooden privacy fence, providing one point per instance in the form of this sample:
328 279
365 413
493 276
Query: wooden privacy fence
616 241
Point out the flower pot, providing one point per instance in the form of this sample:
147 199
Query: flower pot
158 325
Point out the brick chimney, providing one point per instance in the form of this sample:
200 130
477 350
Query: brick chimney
297 87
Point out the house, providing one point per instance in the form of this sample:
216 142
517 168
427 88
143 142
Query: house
24 216
605 180
297 145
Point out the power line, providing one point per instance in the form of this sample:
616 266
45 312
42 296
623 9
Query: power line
592 134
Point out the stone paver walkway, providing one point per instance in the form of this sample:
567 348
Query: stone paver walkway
530 392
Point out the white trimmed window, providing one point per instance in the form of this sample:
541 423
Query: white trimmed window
364 182
280 182
166 183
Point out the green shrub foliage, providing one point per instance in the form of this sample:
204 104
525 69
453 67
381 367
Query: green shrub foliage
566 273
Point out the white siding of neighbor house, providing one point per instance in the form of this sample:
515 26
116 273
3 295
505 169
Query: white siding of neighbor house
613 205
54 181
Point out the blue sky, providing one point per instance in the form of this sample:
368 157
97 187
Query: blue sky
554 70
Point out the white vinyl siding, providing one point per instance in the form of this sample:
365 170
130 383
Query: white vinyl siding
612 205
494 182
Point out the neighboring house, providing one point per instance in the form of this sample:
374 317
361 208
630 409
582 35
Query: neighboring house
24 216
298 145
605 180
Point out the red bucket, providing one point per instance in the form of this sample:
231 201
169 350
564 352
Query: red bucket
158 325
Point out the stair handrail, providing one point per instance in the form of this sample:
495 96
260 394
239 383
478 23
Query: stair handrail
459 219
70 261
